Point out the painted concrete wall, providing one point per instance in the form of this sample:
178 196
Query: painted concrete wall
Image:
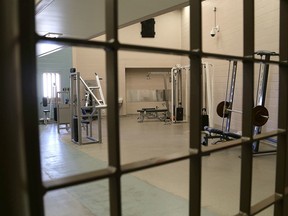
229 16
168 34
57 62
172 30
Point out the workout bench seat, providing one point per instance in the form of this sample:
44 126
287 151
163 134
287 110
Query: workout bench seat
152 113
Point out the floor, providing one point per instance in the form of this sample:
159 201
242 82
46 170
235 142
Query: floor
153 192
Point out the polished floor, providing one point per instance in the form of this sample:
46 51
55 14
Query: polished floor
152 192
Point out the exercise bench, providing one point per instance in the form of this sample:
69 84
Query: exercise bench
152 113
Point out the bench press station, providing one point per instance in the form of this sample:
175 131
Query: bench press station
153 113
260 114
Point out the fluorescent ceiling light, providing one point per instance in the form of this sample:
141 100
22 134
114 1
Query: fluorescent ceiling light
53 35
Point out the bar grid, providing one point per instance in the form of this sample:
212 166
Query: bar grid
114 171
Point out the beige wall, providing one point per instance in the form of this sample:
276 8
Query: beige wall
230 41
168 34
172 30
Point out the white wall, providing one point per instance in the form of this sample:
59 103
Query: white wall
168 34
229 16
172 30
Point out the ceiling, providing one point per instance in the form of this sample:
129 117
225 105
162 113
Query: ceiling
85 19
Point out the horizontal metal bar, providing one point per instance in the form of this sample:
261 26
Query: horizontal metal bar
139 48
264 204
73 42
224 145
242 140
157 161
78 179
268 134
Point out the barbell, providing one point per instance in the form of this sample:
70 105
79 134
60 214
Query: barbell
260 114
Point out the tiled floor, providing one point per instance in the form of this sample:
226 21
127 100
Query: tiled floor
153 192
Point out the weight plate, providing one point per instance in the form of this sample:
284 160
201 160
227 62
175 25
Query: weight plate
260 115
221 111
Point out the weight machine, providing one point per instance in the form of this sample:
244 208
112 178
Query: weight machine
63 110
82 116
177 110
260 114
261 95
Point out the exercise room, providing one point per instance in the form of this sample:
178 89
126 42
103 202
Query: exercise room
150 108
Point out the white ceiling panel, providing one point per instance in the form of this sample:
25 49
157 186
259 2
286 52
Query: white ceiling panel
85 19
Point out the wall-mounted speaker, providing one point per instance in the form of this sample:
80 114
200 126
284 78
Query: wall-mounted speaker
148 28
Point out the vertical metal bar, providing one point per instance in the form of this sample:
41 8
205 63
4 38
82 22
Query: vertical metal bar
71 98
99 124
230 97
29 105
78 108
14 199
195 107
281 208
261 95
112 106
248 89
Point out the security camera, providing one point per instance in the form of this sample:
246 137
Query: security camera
214 31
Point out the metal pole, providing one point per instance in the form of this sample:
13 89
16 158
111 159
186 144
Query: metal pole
14 186
248 102
195 108
281 208
112 106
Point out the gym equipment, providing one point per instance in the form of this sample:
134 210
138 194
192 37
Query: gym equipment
46 111
261 95
260 114
153 113
80 117
207 86
177 106
177 111
222 110
63 110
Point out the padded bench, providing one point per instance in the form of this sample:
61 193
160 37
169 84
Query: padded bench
152 113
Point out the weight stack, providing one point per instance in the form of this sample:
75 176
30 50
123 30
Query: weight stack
75 129
179 114
204 121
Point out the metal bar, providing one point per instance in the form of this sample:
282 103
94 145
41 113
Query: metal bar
241 141
78 179
265 203
261 94
78 109
230 97
148 49
248 89
89 90
29 104
195 107
112 106
268 134
225 145
281 208
157 161
14 187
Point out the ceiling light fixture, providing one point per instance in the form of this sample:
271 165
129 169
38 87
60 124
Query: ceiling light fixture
53 35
